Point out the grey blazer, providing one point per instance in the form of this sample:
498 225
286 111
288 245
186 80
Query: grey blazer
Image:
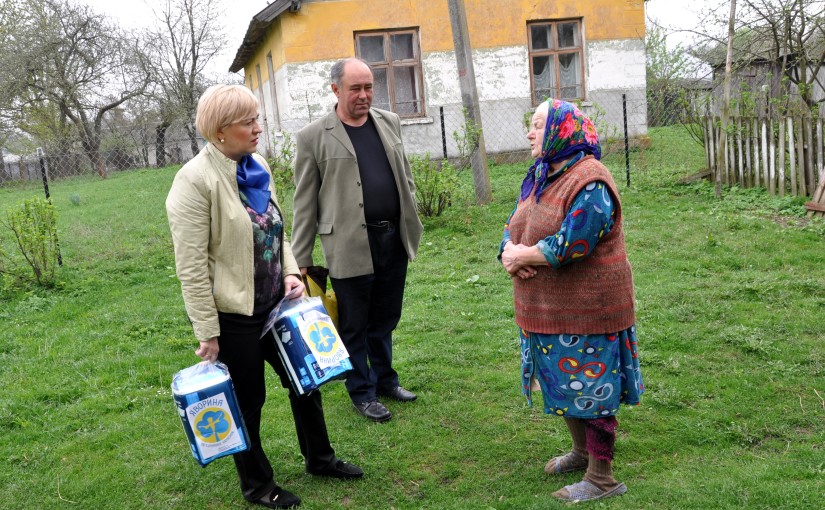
329 200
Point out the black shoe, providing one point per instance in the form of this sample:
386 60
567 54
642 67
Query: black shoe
340 469
373 410
279 498
400 394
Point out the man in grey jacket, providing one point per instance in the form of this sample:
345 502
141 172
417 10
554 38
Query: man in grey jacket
355 190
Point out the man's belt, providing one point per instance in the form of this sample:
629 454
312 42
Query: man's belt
382 226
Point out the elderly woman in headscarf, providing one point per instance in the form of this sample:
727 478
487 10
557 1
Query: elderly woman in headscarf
235 264
564 248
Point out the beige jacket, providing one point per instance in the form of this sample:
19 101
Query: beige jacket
212 237
329 200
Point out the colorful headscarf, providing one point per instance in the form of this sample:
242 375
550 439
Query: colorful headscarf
567 132
253 182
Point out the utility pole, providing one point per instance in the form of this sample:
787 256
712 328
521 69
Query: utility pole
469 98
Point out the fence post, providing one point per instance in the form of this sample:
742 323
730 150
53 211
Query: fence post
772 162
43 173
810 173
766 133
45 177
712 147
800 157
708 142
792 154
781 163
746 132
731 159
740 154
443 131
754 178
626 142
818 144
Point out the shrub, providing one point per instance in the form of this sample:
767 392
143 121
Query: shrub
435 183
32 227
466 141
282 166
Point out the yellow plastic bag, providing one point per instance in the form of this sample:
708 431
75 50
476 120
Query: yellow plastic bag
316 285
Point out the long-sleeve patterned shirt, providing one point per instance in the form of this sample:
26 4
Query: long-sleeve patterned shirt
588 220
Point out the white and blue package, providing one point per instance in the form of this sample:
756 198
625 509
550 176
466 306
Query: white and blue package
208 408
308 343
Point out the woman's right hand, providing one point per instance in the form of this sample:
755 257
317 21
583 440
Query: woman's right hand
208 349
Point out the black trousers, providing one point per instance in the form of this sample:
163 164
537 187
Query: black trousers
369 308
244 353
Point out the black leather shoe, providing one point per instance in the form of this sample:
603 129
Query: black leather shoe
340 469
279 498
400 394
373 410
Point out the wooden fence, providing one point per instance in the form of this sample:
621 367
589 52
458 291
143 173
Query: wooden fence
783 155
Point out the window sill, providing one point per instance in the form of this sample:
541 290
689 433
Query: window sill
416 120
576 101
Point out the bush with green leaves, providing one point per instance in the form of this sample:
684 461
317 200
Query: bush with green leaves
435 184
282 166
29 252
466 141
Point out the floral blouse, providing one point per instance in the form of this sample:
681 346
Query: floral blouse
267 233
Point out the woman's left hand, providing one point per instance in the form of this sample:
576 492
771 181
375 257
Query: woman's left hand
293 287
518 260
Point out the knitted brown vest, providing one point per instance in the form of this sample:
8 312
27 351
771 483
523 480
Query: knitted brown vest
590 296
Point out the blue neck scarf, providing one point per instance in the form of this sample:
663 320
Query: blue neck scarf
567 131
253 183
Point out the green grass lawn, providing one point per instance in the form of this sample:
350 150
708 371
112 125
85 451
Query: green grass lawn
730 301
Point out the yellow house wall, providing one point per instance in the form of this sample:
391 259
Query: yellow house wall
323 30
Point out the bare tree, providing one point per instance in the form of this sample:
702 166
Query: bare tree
10 16
143 118
191 34
796 37
669 73
787 36
71 60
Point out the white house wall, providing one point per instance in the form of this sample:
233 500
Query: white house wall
306 93
613 68
265 106
616 68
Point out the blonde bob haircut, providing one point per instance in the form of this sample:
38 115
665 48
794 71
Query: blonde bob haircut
222 105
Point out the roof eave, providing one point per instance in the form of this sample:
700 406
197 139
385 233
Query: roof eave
257 29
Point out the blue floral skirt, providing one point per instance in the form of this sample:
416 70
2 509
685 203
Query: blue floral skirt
582 376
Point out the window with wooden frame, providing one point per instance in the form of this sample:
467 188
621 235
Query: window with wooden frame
556 60
395 58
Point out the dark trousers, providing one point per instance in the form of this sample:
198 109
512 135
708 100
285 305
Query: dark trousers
369 308
244 353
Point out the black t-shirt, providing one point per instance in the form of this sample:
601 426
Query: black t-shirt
377 180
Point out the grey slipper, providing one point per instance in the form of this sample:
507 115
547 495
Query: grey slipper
565 464
586 491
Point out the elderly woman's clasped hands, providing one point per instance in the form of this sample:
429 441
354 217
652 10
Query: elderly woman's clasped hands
519 260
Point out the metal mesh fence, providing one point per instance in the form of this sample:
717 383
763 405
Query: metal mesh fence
442 132
135 152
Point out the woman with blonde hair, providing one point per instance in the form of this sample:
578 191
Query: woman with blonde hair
235 264
564 248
